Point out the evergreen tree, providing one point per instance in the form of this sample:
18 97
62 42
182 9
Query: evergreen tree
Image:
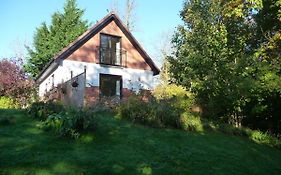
65 27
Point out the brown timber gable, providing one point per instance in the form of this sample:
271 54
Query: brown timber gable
85 47
89 51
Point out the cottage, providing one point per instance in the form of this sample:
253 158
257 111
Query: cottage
105 61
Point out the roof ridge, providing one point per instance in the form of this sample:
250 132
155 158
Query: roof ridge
71 47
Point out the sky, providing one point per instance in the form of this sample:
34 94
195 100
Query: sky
155 19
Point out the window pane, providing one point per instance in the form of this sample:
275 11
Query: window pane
110 50
110 85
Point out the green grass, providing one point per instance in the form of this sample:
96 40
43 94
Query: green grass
119 147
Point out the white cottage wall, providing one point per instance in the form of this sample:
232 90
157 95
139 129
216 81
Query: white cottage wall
133 79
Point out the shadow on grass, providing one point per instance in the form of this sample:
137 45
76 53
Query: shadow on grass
119 147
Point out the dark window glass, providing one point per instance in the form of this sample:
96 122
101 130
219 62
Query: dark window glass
110 49
110 85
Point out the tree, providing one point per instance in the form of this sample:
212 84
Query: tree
228 53
212 56
13 81
129 16
49 40
263 111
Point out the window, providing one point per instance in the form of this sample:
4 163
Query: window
110 49
110 85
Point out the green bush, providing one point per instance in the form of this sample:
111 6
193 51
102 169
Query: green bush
8 103
168 111
70 122
164 108
135 110
156 113
42 110
190 122
184 99
169 90
254 135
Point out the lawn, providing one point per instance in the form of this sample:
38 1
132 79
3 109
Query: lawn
119 147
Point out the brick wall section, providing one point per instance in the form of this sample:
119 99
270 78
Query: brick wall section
126 93
145 95
91 96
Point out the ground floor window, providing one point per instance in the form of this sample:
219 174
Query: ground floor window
110 85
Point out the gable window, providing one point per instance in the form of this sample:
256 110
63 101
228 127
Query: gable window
110 50
110 85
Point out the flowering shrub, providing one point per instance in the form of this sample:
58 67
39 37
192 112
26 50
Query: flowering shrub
8 103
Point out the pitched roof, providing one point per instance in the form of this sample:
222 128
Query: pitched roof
68 50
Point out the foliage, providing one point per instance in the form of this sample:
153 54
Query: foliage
8 103
65 27
135 110
184 98
223 55
209 59
70 122
263 110
14 83
41 110
191 122
254 135
169 90
162 110
268 21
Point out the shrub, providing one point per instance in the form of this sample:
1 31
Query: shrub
70 122
42 110
157 113
182 98
190 122
135 110
163 109
254 135
8 103
165 91
168 112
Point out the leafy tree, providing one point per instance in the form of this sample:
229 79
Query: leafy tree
212 56
13 81
49 40
263 111
228 53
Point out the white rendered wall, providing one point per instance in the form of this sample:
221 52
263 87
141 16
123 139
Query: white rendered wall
133 79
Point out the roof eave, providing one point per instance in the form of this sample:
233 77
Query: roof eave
87 35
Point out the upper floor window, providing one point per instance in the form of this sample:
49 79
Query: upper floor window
110 50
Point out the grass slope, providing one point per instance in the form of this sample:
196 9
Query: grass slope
119 147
